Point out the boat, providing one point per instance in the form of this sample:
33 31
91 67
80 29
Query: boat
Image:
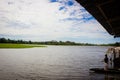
109 71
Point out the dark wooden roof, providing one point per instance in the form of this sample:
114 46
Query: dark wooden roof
107 12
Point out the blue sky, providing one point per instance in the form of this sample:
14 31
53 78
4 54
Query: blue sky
44 20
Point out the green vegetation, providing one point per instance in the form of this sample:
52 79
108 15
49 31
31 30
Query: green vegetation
24 44
69 43
10 45
53 42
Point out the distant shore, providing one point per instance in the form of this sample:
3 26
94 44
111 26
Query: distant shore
11 45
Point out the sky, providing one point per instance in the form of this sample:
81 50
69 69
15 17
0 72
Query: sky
46 20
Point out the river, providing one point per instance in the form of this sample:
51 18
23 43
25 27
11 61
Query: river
53 63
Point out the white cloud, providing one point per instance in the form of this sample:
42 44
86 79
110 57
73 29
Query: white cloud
42 20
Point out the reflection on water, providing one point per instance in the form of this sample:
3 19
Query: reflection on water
53 63
98 76
109 77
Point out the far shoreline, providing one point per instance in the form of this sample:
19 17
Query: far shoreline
9 43
24 46
19 46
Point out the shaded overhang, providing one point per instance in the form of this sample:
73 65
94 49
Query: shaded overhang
106 12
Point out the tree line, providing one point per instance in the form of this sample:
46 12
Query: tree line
4 40
54 42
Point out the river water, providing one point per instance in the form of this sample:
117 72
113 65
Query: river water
53 63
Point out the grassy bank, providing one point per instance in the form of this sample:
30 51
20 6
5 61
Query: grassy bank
9 45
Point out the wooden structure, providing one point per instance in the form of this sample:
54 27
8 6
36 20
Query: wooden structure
107 12
101 70
114 55
114 58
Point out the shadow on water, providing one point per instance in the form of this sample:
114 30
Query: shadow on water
99 76
111 77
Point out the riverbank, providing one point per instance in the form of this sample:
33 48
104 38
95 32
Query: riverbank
54 42
11 45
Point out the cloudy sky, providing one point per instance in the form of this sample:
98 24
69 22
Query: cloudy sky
45 20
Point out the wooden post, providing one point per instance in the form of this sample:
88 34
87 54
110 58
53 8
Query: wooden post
114 57
119 53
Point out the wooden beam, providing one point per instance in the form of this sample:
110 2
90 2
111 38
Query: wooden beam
103 14
104 3
114 19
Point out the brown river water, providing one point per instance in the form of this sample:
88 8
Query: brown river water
53 63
